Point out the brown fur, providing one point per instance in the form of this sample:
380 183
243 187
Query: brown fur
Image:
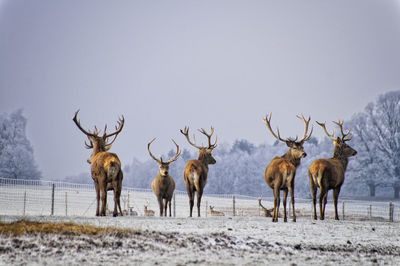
163 184
105 167
327 174
196 171
267 212
215 213
280 172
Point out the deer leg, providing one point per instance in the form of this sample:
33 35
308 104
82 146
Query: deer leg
276 205
169 204
119 190
291 191
103 192
115 188
190 193
335 196
199 195
165 207
314 198
322 195
285 191
160 205
96 186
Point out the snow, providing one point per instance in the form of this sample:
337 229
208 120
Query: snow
209 240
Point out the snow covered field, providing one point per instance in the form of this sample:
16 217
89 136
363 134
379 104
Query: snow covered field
209 241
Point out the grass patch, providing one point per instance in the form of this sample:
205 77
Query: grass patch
21 227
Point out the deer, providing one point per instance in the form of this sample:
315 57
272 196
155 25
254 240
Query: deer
163 184
267 212
327 174
214 213
196 171
105 166
280 172
148 212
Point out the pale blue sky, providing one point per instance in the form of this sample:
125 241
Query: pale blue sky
167 64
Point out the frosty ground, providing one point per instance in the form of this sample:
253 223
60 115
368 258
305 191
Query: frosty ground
208 241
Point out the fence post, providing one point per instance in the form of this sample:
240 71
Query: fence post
174 203
206 207
234 206
24 202
129 207
66 203
370 211
52 199
390 212
343 210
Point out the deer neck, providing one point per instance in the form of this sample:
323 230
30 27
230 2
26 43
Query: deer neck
203 160
343 159
293 160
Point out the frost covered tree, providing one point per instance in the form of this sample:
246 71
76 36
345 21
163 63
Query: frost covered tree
16 153
377 136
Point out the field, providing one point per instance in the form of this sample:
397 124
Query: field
205 241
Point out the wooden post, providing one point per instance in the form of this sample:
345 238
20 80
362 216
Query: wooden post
370 211
343 210
234 206
174 203
24 203
52 198
390 212
206 207
66 203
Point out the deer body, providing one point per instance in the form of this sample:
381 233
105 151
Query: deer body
148 212
327 174
196 171
280 172
163 184
215 213
105 167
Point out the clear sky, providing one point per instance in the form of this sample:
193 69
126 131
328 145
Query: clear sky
167 64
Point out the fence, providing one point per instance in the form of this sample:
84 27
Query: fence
27 197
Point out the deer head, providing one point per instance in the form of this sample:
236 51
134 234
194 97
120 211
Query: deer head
204 151
99 143
341 149
295 146
163 167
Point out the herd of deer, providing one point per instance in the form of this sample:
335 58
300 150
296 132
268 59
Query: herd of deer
325 174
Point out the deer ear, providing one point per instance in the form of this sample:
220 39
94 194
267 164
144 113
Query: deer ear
288 143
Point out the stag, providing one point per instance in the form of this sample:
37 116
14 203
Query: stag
105 166
280 172
163 184
327 174
267 212
196 171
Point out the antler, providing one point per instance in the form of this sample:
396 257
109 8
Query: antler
331 136
159 161
118 128
178 152
185 132
306 124
344 135
210 146
267 122
78 123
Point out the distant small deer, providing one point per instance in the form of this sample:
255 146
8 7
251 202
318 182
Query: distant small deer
215 213
327 174
105 166
163 184
267 212
148 212
280 172
196 171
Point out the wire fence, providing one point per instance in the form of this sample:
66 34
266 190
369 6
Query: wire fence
37 197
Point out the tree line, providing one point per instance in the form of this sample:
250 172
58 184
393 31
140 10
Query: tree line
374 171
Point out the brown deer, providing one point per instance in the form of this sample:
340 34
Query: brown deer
196 171
267 212
327 174
214 213
105 166
148 212
280 172
163 184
